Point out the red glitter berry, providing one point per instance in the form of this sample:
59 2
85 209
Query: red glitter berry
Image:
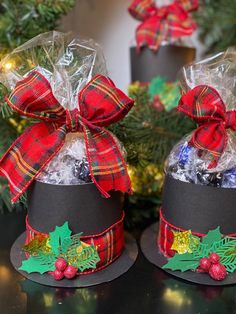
205 264
217 271
214 258
70 272
61 264
57 274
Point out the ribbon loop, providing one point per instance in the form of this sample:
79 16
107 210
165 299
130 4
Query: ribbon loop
100 103
204 105
230 120
33 98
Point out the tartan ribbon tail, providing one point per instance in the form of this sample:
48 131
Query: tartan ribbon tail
110 173
102 104
151 33
212 138
29 154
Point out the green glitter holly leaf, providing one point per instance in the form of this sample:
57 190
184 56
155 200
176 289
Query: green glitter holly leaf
201 251
208 241
57 237
68 243
225 246
39 264
226 249
211 237
81 255
182 262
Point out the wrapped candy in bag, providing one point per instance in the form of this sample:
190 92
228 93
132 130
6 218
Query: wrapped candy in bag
208 155
71 166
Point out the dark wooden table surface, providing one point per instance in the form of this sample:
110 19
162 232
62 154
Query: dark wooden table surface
144 289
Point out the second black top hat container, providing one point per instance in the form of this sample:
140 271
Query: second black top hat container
199 208
166 62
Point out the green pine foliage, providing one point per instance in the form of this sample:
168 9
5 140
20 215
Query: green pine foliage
148 136
217 24
21 20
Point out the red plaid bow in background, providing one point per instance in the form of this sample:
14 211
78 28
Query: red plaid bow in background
205 106
162 24
100 104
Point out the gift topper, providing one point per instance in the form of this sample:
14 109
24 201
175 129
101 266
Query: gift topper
162 24
205 106
207 156
60 83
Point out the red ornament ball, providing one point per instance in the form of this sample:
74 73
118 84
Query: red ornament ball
205 264
61 264
70 272
217 271
57 274
214 258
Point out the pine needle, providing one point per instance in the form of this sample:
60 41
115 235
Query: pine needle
217 24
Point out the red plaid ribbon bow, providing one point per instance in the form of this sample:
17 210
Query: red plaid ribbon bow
162 24
205 106
100 103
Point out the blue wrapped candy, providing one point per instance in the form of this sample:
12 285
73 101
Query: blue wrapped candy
229 178
185 154
185 164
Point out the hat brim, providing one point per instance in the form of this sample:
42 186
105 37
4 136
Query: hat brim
154 255
109 273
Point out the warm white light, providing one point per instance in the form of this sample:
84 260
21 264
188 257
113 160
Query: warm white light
177 298
8 66
5 274
48 299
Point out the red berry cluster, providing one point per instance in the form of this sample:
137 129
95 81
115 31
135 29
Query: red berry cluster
63 270
213 267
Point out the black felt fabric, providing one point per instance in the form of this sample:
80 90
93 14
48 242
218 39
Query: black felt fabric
166 62
82 206
199 208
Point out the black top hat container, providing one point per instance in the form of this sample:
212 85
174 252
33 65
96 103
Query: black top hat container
199 208
83 206
86 211
166 62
